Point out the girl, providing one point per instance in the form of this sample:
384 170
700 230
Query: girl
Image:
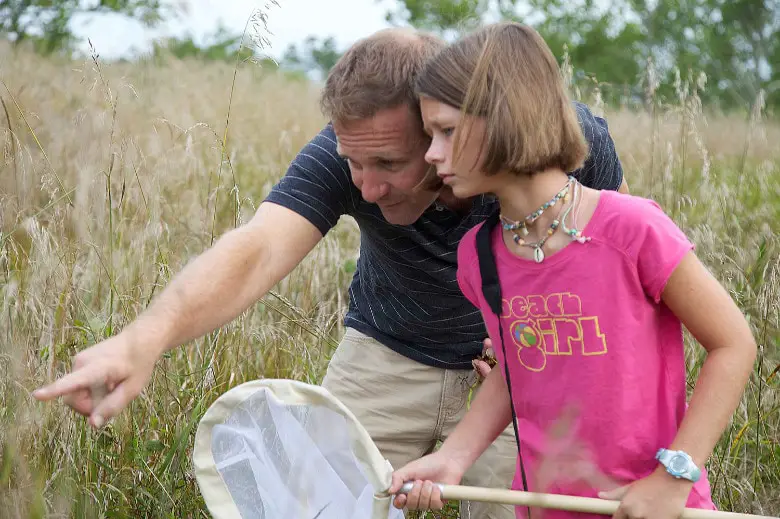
595 287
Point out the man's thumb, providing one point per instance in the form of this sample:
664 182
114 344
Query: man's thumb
616 494
108 404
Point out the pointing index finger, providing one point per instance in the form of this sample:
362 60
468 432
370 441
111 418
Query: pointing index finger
81 379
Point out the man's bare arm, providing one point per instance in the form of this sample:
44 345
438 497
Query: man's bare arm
210 291
224 281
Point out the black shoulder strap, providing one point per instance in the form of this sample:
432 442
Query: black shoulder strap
487 265
491 289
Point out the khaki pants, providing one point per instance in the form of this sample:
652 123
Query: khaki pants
407 407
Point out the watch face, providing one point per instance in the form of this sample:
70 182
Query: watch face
678 464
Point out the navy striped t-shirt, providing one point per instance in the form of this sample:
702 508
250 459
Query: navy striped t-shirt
404 292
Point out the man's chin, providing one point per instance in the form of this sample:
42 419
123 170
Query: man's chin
399 215
400 219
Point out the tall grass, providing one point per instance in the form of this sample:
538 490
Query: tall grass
115 176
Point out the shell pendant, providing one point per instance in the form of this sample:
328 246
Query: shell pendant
538 255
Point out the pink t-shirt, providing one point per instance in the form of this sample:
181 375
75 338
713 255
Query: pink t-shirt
596 359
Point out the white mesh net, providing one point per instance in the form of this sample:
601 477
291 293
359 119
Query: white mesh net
284 449
280 448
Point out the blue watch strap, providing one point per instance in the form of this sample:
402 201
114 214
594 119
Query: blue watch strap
690 472
695 473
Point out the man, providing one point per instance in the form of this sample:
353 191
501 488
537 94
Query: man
404 366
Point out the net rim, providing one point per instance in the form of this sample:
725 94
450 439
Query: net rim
289 392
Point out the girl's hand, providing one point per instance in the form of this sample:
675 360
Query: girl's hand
425 495
485 364
659 495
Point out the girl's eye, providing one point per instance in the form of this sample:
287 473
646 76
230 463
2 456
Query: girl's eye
448 131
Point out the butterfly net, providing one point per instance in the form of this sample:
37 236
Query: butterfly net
281 448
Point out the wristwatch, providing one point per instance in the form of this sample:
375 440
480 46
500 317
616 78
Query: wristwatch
679 464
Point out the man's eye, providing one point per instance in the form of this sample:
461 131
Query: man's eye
353 165
387 164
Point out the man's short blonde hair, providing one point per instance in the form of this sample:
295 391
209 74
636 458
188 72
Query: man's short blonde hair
506 73
377 72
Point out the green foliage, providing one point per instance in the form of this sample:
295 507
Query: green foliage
601 47
46 23
732 44
220 46
315 55
441 15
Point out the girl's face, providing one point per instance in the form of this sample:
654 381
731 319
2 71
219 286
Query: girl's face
464 178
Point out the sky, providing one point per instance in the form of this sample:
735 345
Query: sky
290 22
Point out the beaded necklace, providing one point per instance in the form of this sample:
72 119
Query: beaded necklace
574 233
538 246
522 226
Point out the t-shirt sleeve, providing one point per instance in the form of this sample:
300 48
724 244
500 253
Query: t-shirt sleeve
317 184
661 246
467 265
602 169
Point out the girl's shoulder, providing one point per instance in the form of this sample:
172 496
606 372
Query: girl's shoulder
628 221
467 247
633 207
650 239
467 272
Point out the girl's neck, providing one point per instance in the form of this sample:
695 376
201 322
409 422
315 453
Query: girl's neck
523 195
447 198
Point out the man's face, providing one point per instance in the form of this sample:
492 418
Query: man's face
386 155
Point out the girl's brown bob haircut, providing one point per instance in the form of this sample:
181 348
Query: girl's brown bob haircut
506 73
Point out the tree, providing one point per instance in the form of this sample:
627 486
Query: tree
583 30
443 16
222 45
46 23
604 47
314 56
735 44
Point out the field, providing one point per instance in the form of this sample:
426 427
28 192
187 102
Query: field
114 176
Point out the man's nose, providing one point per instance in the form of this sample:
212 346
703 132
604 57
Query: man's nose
372 188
